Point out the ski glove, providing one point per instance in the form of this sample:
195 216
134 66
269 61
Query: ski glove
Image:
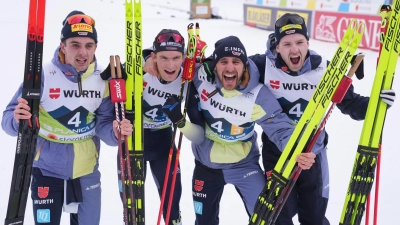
172 108
388 96
106 74
208 66
360 69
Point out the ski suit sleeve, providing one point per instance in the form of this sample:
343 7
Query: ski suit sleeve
268 114
8 122
259 60
104 119
354 105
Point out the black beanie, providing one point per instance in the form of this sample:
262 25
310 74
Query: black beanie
170 44
77 30
291 27
230 47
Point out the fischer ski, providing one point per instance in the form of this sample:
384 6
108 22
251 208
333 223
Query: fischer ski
133 105
306 128
363 172
28 129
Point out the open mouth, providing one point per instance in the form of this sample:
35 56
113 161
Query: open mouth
81 61
295 60
170 73
230 78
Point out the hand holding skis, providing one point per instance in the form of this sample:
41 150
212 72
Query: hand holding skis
22 110
305 160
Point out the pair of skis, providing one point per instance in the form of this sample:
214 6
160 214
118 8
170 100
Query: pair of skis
284 175
28 129
127 97
363 173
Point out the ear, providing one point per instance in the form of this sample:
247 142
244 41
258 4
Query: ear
277 48
153 56
62 47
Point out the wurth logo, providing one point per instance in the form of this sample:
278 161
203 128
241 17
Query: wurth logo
43 192
225 108
54 93
276 84
85 94
159 93
198 185
204 95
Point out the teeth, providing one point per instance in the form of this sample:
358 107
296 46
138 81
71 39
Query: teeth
229 75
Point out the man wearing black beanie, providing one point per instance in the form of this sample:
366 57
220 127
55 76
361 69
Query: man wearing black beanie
75 113
221 128
289 61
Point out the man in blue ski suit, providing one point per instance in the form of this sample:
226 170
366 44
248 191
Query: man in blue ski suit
288 60
168 54
75 113
223 115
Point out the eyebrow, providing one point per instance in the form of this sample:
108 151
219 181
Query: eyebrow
76 42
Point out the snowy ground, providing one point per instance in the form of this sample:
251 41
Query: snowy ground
109 15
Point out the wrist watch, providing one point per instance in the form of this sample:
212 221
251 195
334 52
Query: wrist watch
181 123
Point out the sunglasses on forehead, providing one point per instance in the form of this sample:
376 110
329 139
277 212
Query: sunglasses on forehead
289 19
170 37
78 19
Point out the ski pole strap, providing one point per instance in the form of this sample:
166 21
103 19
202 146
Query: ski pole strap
117 84
190 62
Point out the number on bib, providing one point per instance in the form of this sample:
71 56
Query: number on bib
75 120
217 126
152 113
296 110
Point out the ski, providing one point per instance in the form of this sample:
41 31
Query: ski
384 12
307 126
336 99
133 106
28 129
363 172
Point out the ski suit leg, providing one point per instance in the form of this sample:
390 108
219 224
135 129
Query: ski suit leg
207 187
311 204
158 168
90 208
249 181
47 195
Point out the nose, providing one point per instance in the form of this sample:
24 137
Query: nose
82 51
229 67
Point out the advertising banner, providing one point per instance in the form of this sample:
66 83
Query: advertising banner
265 17
330 26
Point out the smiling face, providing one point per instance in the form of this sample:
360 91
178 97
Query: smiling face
168 64
230 71
79 52
293 50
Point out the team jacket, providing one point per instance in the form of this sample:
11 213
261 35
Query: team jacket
228 118
293 91
72 123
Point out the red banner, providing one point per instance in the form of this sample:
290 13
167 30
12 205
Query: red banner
330 26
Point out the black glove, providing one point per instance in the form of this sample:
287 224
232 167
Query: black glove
172 108
209 66
360 69
106 74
